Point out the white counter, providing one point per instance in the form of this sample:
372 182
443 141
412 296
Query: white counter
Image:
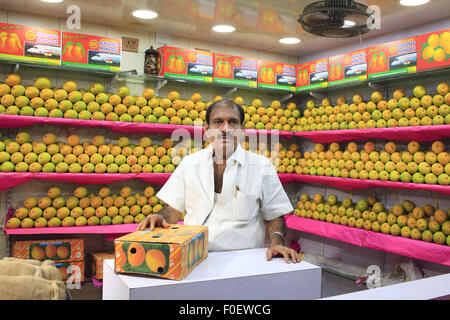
423 289
237 275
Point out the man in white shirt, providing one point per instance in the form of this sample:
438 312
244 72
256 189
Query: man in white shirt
232 191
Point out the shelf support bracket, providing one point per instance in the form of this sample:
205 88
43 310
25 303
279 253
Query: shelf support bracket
285 97
381 260
161 83
228 92
131 72
317 95
16 68
110 82
379 87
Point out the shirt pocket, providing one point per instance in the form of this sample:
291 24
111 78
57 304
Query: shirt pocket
245 206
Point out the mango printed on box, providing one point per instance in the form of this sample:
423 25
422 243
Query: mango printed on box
57 250
235 70
433 50
169 253
392 58
28 44
71 271
312 75
347 67
197 65
89 51
275 75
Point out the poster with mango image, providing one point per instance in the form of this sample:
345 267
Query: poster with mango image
269 20
433 50
56 250
169 253
197 65
225 10
347 68
302 76
27 44
393 58
234 70
274 75
89 51
312 75
336 71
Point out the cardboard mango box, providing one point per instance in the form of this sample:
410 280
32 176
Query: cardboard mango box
347 68
61 250
186 64
234 70
312 75
433 50
392 58
275 75
169 253
96 263
71 271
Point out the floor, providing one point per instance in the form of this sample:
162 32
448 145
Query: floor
333 285
87 292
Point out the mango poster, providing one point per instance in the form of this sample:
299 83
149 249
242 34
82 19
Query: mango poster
433 50
28 44
347 68
234 70
393 58
312 75
94 52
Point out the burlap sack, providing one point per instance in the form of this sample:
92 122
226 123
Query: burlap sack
23 267
30 261
30 280
31 288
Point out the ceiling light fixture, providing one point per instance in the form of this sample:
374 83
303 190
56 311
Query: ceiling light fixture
412 3
289 40
223 28
52 1
348 24
145 14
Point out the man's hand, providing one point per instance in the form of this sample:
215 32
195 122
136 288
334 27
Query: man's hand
152 221
286 252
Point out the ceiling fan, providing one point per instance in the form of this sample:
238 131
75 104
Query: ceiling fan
336 18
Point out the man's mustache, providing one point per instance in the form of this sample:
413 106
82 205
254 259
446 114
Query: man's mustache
220 135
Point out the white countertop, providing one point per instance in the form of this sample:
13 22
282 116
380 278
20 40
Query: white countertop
221 265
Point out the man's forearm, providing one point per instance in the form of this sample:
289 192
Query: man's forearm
171 215
276 225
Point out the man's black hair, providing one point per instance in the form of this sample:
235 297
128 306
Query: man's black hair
225 102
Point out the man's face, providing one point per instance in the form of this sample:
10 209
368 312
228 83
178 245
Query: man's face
224 130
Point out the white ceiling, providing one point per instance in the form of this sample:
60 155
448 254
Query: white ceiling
193 19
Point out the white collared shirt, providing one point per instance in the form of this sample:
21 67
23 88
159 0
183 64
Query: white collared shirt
251 193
